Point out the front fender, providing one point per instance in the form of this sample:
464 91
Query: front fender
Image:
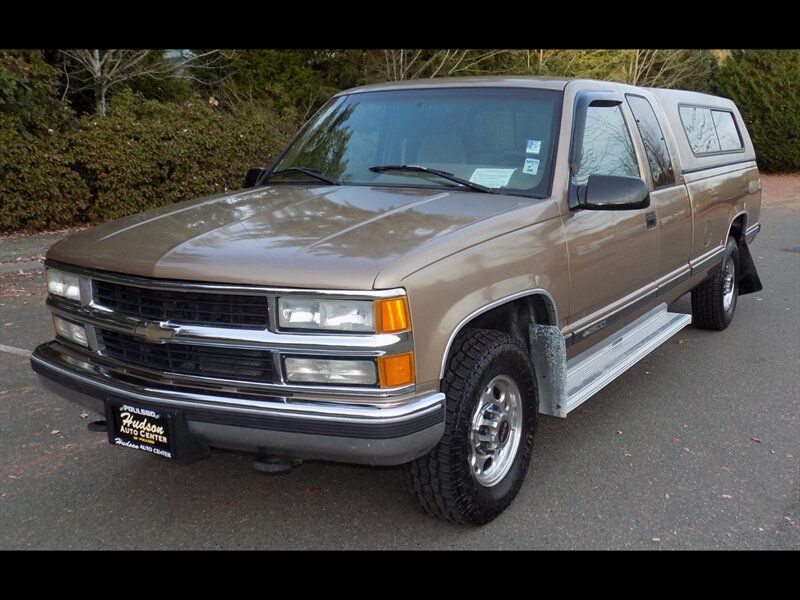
446 295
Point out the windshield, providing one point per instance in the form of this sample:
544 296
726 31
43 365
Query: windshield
500 138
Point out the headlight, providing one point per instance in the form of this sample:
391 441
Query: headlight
336 315
64 284
74 332
367 316
322 370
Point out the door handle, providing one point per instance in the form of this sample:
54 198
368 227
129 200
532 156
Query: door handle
651 219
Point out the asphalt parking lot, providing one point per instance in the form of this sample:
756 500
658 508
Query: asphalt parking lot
695 447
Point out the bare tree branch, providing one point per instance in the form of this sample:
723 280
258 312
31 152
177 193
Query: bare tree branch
102 70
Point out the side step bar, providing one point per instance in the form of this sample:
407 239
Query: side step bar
563 390
591 371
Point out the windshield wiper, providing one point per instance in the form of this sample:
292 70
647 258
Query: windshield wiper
306 171
442 174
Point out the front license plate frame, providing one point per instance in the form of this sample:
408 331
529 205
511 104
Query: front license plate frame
147 429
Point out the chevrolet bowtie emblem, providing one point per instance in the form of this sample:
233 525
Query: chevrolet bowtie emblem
155 331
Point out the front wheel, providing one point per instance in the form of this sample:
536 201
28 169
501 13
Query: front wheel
478 467
714 300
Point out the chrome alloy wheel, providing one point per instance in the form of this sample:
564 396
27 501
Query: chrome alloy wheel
728 286
496 431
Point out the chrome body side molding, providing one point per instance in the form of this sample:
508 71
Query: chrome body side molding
752 232
706 261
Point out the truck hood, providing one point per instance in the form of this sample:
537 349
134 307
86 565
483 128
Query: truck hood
281 235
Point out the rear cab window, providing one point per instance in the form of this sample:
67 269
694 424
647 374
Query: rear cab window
658 156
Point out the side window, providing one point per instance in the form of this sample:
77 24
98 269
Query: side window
699 127
607 146
728 134
655 145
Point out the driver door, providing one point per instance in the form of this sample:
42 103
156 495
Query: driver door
613 254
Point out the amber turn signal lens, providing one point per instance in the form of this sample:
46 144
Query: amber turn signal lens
396 370
391 315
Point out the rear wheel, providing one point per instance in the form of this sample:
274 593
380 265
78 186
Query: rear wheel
478 467
714 300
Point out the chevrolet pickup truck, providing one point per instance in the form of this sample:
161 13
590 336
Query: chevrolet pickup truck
425 269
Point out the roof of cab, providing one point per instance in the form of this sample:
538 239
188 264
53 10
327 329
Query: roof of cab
550 83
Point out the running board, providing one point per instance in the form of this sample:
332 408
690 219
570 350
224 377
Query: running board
591 371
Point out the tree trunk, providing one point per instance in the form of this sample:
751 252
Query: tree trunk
99 85
100 100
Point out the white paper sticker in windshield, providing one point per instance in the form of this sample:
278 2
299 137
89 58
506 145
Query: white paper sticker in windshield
531 166
533 147
491 178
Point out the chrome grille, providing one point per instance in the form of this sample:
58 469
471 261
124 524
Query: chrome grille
190 308
205 361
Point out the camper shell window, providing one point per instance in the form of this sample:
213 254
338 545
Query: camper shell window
710 130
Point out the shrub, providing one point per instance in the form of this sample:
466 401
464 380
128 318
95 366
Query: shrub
147 153
142 155
765 85
29 93
38 189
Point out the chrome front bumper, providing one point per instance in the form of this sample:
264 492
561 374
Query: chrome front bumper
349 430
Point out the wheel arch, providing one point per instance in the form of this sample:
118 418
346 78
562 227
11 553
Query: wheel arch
511 314
749 281
738 227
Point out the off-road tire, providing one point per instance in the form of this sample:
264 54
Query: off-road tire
708 311
441 482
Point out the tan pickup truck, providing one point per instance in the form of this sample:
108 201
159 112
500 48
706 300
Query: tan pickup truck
424 270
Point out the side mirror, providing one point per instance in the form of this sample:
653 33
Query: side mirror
253 175
613 192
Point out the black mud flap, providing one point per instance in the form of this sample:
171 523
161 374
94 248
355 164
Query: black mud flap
749 281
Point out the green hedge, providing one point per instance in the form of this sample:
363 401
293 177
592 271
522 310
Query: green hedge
142 155
765 85
38 189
